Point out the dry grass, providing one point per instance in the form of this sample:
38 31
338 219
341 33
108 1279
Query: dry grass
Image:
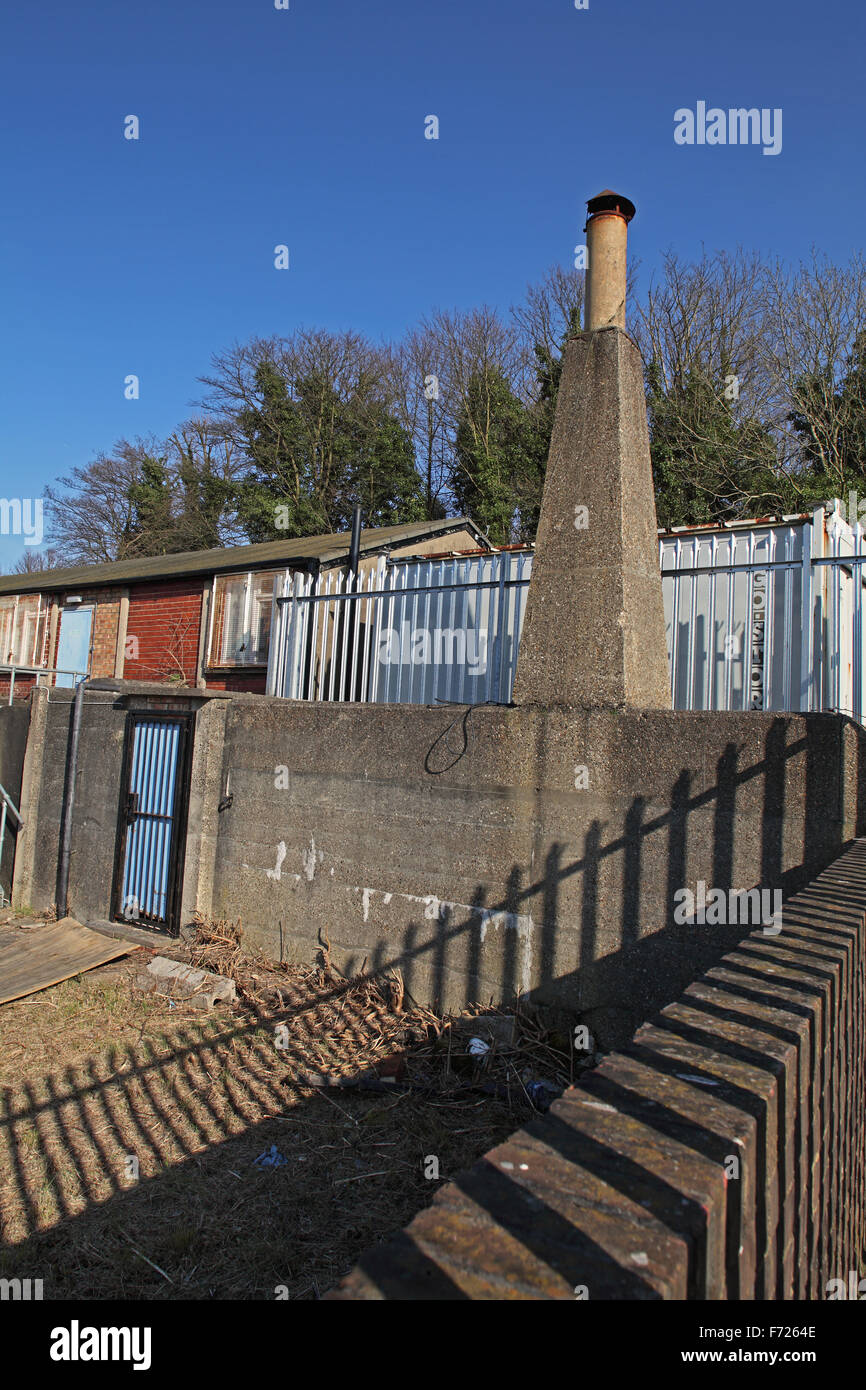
99 1080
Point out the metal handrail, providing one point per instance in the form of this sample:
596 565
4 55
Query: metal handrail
11 670
7 801
8 805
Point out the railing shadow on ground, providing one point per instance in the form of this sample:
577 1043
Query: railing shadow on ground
194 1108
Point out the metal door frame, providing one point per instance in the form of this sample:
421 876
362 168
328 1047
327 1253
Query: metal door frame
180 808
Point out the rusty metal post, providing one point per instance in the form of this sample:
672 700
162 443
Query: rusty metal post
606 238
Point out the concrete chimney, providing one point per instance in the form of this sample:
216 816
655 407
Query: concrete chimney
606 241
594 630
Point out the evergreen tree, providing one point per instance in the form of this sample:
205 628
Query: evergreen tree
315 454
152 528
496 451
203 499
708 464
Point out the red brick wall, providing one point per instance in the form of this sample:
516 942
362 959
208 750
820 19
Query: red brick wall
103 634
103 637
162 631
252 681
23 687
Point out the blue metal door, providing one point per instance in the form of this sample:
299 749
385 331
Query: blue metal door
73 644
150 858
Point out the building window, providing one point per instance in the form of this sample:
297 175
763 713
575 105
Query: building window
241 624
22 630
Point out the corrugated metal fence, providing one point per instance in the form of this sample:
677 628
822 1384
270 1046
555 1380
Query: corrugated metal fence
414 632
767 617
758 617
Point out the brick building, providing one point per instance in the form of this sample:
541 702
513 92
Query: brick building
199 619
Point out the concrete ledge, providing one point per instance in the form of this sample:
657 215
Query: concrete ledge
718 1156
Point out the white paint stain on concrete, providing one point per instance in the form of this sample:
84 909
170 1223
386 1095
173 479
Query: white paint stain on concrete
277 873
434 908
440 909
310 858
523 925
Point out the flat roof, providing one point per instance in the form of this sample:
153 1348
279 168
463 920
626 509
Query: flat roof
270 554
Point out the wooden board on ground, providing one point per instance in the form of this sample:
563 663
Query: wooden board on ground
35 959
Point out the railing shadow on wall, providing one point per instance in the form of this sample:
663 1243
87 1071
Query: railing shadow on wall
78 1113
659 957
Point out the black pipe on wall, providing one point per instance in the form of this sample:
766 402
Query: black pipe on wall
69 802
355 544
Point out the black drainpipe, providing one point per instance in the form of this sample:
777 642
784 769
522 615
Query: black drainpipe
352 615
355 544
69 803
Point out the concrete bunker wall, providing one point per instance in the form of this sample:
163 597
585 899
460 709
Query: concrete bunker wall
454 844
98 795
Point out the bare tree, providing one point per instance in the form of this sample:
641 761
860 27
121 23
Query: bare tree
35 561
417 372
476 349
708 317
702 330
113 508
551 308
344 361
91 519
206 466
815 312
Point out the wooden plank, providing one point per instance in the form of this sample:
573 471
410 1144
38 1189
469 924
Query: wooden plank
38 959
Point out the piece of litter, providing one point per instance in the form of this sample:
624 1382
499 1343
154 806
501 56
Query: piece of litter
697 1080
542 1093
272 1158
478 1047
509 1166
639 1258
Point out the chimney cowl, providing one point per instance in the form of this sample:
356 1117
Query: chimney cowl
608 201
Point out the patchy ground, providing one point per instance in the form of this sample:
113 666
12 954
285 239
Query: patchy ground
131 1126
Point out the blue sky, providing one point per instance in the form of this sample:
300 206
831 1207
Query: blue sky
306 127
